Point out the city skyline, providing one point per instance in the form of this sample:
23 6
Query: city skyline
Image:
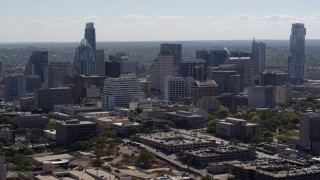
144 20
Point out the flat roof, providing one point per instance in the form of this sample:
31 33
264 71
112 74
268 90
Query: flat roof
53 157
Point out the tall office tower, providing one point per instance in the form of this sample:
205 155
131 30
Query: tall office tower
119 92
33 82
36 63
247 65
228 100
100 65
85 86
90 34
84 62
238 53
200 89
228 81
177 87
230 67
297 59
274 78
163 66
126 66
112 69
175 49
196 68
55 72
213 57
309 124
258 56
45 99
261 96
14 87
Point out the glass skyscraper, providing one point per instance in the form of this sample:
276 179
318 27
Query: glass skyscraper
297 59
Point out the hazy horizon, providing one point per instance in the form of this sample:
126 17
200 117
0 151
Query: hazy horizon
166 20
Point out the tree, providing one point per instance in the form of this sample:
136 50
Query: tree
223 112
207 177
145 157
28 152
138 110
51 124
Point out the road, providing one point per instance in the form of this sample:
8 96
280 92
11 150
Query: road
174 162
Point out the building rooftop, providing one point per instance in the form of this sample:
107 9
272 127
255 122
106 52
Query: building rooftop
206 83
218 149
53 158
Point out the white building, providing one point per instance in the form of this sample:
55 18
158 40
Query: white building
119 92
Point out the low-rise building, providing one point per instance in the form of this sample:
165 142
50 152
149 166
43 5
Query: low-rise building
186 119
274 169
202 157
68 132
124 128
27 104
237 128
173 142
30 121
208 103
74 109
7 134
50 134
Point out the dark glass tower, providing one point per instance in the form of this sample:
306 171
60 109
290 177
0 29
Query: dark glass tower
90 34
297 59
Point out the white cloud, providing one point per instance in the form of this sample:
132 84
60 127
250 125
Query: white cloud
277 17
134 16
90 17
171 17
34 22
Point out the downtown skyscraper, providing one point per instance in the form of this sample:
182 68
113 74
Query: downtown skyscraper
258 57
90 34
88 60
297 58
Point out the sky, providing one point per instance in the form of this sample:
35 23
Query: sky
153 20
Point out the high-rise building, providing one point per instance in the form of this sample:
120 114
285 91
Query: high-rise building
196 68
230 67
284 94
126 66
297 58
213 57
100 65
112 69
119 92
274 78
227 81
176 87
258 56
163 66
45 99
14 87
33 82
228 100
38 60
200 89
85 86
247 65
90 34
261 96
84 62
55 72
309 131
175 49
